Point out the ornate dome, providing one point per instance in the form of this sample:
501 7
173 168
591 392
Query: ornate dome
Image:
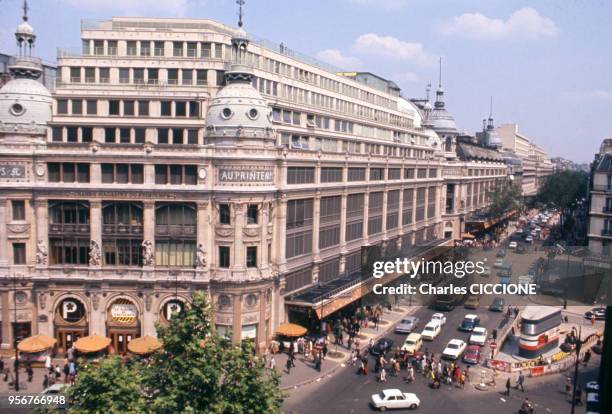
25 106
24 28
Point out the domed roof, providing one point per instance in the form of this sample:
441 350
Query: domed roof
25 29
411 110
25 106
442 121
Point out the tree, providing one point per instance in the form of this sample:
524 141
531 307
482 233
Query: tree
196 371
563 188
107 387
505 198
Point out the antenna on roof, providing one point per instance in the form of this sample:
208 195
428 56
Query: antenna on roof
491 108
240 3
440 74
25 10
427 90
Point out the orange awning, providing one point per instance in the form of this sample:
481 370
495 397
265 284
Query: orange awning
92 343
144 345
291 330
468 236
36 343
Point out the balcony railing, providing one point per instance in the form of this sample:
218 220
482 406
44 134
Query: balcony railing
606 232
122 229
68 228
175 230
606 209
606 188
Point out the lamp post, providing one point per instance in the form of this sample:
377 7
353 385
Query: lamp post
15 332
579 344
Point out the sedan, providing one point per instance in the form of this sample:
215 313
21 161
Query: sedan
454 349
472 302
498 263
600 314
501 253
381 346
471 354
478 336
394 398
497 305
407 325
529 239
512 245
439 317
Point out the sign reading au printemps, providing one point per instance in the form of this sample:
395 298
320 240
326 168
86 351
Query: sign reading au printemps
245 174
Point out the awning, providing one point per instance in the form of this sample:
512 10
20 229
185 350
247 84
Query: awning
93 343
291 330
36 343
468 236
144 345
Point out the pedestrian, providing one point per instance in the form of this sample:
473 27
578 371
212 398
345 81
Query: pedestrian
272 362
58 372
383 375
2 367
592 319
462 380
66 372
568 387
587 357
70 354
288 366
318 363
292 360
325 350
519 382
30 372
46 381
72 372
508 385
48 364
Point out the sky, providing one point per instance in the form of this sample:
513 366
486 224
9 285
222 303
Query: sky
545 62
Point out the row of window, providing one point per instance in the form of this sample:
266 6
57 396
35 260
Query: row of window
130 107
113 135
306 175
145 48
68 172
142 76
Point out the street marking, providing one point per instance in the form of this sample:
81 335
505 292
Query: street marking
502 399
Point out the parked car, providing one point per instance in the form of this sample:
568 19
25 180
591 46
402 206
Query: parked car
497 305
529 239
600 314
407 325
472 302
412 344
512 245
471 354
393 399
381 346
439 317
454 349
431 330
470 321
478 336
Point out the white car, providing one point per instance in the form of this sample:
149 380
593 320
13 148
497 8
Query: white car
394 398
512 245
454 349
529 239
478 336
438 317
431 330
498 263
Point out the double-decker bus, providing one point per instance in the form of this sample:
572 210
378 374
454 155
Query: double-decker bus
539 330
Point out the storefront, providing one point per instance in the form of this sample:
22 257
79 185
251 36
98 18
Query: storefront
122 324
70 323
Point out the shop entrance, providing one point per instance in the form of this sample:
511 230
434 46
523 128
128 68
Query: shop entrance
70 323
123 325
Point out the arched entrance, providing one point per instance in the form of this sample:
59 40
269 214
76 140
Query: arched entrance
170 309
122 324
70 323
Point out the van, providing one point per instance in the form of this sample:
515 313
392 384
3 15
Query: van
412 344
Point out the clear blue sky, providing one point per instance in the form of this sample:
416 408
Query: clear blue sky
547 63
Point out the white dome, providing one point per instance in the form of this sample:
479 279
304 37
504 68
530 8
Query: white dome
25 105
239 105
24 29
411 110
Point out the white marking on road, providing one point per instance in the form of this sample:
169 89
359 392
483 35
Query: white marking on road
502 399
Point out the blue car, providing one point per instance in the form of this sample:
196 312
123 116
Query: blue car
470 321
381 346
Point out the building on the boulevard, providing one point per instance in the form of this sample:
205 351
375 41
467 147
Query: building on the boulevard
536 165
600 201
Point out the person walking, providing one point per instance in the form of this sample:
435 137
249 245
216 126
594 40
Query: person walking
272 363
66 372
288 365
30 372
587 357
410 373
48 364
58 372
508 385
318 363
519 382
46 381
383 375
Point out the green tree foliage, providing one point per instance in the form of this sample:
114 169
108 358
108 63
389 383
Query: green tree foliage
506 197
107 387
194 372
563 188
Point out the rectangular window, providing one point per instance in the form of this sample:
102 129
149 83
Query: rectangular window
408 173
180 108
394 173
224 214
177 49
158 48
187 77
177 136
77 107
252 214
166 108
433 172
143 108
356 174
173 76
224 257
329 218
62 106
329 270
420 204
194 109
57 134
201 76
331 174
92 107
113 107
205 50
299 227
139 75
153 76
251 256
377 174
162 135
104 75
298 279
124 75
19 253
109 135
128 108
192 136
422 173
86 134
124 135
300 175
407 206
375 209
72 134
18 208
139 135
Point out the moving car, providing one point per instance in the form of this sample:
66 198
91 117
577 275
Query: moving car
501 253
394 398
497 305
529 239
512 245
472 302
454 349
407 325
498 263
439 317
412 344
431 330
470 321
381 346
471 355
600 314
478 336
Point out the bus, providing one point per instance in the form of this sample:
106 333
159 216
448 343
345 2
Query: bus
540 330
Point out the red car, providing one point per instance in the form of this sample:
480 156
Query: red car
472 354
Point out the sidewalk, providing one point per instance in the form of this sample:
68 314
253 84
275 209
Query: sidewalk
305 372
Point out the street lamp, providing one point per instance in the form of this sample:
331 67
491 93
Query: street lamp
579 344
16 367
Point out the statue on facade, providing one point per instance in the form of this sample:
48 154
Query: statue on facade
147 253
201 256
41 253
95 301
95 256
